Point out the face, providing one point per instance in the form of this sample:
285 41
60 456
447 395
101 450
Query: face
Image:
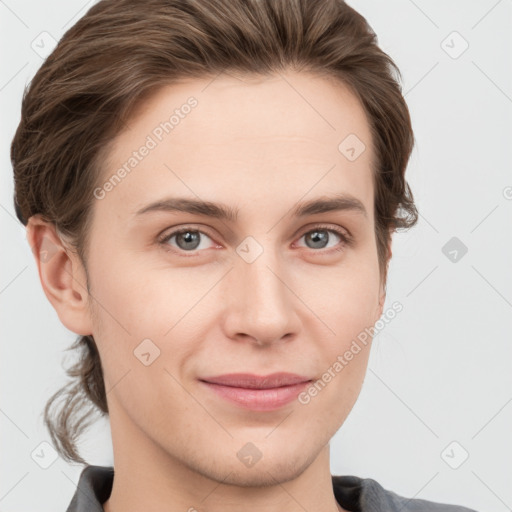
272 286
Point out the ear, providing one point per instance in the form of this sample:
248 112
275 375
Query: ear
62 275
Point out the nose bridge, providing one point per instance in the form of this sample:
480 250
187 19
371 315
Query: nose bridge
261 276
261 300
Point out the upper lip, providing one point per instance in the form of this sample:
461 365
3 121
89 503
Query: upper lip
251 381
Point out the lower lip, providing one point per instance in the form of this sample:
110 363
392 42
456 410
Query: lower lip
258 399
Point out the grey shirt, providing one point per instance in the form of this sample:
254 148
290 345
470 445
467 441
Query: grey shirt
351 492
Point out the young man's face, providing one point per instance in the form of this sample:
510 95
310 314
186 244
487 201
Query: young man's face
258 294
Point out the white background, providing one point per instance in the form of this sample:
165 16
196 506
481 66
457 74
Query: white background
438 373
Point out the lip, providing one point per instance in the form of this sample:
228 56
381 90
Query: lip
257 392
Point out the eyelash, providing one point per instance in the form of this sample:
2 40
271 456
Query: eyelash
346 240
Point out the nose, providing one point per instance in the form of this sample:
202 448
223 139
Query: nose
261 305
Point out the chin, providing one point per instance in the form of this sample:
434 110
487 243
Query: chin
267 471
265 476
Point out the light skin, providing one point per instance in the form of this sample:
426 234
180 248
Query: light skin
256 145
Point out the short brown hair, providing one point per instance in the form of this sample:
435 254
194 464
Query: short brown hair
123 51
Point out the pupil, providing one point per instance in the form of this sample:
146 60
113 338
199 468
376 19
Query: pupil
190 237
317 236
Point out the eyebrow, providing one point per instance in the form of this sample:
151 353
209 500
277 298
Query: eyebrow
337 202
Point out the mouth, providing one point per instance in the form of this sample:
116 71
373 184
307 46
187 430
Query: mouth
258 393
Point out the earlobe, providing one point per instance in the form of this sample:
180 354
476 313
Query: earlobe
61 274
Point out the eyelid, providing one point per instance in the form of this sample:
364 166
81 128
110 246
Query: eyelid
164 237
328 227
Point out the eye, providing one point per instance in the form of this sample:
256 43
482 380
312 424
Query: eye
186 240
190 240
321 236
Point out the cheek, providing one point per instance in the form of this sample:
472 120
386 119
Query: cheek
135 298
349 299
349 309
136 301
337 387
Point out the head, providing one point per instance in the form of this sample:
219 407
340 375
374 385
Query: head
264 108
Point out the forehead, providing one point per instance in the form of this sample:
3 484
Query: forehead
249 139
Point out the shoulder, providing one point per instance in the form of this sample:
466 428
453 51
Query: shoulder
93 489
367 495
